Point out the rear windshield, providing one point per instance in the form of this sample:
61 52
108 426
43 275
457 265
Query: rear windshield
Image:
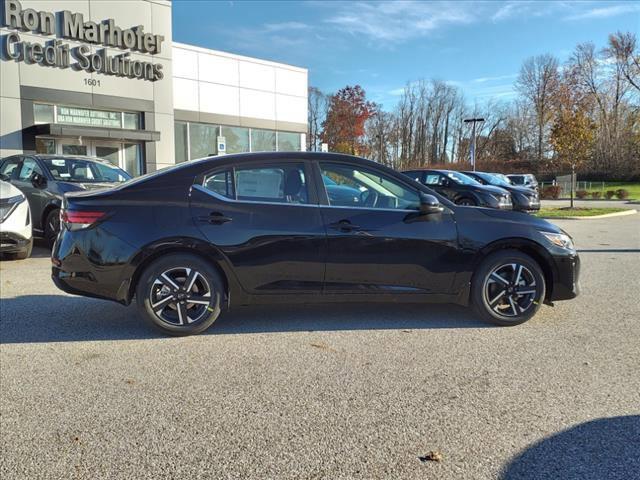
84 171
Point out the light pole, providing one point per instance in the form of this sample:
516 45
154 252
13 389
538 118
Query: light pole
473 121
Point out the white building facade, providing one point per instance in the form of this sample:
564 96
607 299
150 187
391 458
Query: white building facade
104 78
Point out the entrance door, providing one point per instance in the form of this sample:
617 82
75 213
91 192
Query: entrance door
71 146
127 156
111 151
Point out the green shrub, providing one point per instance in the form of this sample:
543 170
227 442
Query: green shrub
610 194
596 195
551 192
582 194
622 193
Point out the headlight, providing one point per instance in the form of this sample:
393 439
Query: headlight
8 205
561 240
503 199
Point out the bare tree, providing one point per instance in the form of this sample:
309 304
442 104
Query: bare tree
317 112
537 82
623 48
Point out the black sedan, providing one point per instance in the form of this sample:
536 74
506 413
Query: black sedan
44 179
192 240
524 199
462 189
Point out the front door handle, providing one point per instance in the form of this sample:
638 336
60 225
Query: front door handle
344 226
215 218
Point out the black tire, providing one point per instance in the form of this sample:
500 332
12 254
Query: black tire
498 299
52 226
466 202
24 253
166 307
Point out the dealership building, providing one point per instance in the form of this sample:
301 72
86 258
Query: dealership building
104 78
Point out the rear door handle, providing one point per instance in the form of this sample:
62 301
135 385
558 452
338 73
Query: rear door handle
215 218
344 226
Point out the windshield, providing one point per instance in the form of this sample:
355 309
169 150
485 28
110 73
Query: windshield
462 179
84 171
492 179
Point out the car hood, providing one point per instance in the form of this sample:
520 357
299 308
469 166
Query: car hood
7 190
520 217
517 189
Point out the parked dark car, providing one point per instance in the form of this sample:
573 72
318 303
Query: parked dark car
44 179
523 199
461 189
192 240
524 180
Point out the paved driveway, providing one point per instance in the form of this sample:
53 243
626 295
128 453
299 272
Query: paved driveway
88 391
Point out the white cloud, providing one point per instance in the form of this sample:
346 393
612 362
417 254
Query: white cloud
286 26
494 79
396 21
606 12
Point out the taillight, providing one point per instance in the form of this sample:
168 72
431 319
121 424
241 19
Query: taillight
79 219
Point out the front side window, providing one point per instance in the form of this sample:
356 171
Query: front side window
28 167
353 186
83 171
434 179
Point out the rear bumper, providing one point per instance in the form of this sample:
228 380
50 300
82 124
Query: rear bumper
566 284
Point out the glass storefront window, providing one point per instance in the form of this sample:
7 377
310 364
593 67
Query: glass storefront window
288 142
131 121
87 116
237 139
132 159
43 113
263 140
202 140
180 133
45 146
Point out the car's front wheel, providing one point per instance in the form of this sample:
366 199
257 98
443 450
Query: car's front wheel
466 202
180 294
52 226
508 288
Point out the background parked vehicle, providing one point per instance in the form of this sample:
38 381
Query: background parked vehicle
462 189
524 180
16 240
524 199
44 179
262 228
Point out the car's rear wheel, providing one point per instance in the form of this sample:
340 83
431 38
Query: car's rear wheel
508 288
466 202
52 226
180 294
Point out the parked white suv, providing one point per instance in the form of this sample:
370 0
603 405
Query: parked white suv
16 239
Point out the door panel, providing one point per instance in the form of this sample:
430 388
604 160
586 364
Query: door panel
382 243
37 197
274 245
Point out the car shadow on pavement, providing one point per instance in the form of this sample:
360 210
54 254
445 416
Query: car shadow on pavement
62 318
606 448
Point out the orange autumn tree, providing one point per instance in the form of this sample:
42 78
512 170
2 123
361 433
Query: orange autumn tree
343 128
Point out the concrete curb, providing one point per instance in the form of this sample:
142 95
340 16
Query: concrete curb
594 217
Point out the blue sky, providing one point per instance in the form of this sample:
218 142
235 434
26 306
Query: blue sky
478 46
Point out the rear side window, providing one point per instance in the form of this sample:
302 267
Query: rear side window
9 166
28 167
284 183
434 179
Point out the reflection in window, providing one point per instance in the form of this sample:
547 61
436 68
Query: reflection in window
237 139
42 113
131 121
202 140
133 159
180 134
263 140
288 142
45 145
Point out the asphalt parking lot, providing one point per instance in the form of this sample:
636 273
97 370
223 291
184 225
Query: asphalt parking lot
89 391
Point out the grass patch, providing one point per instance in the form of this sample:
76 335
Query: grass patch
632 187
575 212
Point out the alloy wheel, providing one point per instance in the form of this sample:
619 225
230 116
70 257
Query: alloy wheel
510 290
180 296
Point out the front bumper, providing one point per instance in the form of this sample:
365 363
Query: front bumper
11 242
566 284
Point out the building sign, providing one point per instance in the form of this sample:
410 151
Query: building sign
86 116
65 24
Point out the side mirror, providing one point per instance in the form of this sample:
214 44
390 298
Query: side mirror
429 204
38 181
